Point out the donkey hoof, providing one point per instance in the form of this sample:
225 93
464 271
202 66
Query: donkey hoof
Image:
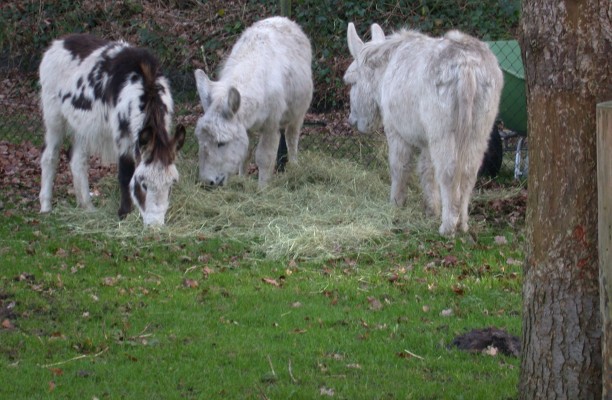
122 213
448 232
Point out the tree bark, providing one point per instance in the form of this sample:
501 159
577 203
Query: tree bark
566 46
285 6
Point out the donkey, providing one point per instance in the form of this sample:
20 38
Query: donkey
115 102
436 95
264 85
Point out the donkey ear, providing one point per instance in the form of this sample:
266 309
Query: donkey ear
354 42
204 86
378 35
232 103
179 137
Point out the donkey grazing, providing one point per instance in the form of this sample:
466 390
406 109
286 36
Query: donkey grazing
113 99
436 95
264 85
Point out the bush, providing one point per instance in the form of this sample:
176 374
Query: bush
188 34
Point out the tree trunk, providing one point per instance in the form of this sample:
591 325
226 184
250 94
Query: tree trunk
566 47
285 6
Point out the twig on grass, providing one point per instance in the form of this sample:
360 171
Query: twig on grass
291 373
413 355
156 275
188 270
74 359
271 366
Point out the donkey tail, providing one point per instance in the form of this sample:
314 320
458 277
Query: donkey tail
467 88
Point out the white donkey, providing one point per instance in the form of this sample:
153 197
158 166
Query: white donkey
113 99
439 95
264 85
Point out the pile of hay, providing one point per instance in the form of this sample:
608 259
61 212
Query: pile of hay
319 209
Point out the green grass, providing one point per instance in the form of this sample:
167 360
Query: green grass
160 316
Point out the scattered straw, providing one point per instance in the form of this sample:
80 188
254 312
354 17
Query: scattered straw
318 209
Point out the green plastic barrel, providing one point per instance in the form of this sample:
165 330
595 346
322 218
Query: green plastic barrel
513 105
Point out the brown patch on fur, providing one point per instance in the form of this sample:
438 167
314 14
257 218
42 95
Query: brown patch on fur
158 145
140 195
82 45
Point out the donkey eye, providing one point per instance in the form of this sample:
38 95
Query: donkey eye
221 144
144 186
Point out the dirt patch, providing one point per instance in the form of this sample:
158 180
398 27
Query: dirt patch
20 176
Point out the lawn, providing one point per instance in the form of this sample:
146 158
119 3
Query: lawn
93 308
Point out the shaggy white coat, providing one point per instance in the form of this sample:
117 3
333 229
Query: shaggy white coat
265 85
439 96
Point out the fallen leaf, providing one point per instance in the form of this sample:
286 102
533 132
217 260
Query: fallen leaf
490 351
447 312
58 335
326 392
353 366
458 290
190 283
335 356
61 253
271 281
7 324
51 386
501 240
512 261
375 304
56 371
24 276
83 373
449 261
110 281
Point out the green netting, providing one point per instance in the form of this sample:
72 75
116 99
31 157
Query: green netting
513 106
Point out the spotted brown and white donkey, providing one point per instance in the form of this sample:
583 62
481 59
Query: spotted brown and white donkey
114 100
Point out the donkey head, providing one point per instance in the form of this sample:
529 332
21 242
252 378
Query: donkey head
222 137
360 76
155 173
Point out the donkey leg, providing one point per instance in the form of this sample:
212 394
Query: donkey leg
79 165
445 165
471 160
265 155
244 165
126 171
55 128
429 184
400 154
467 186
292 137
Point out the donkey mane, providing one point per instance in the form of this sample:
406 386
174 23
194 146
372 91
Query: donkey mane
130 64
378 53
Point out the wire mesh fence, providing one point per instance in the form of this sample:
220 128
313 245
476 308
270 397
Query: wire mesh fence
21 118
